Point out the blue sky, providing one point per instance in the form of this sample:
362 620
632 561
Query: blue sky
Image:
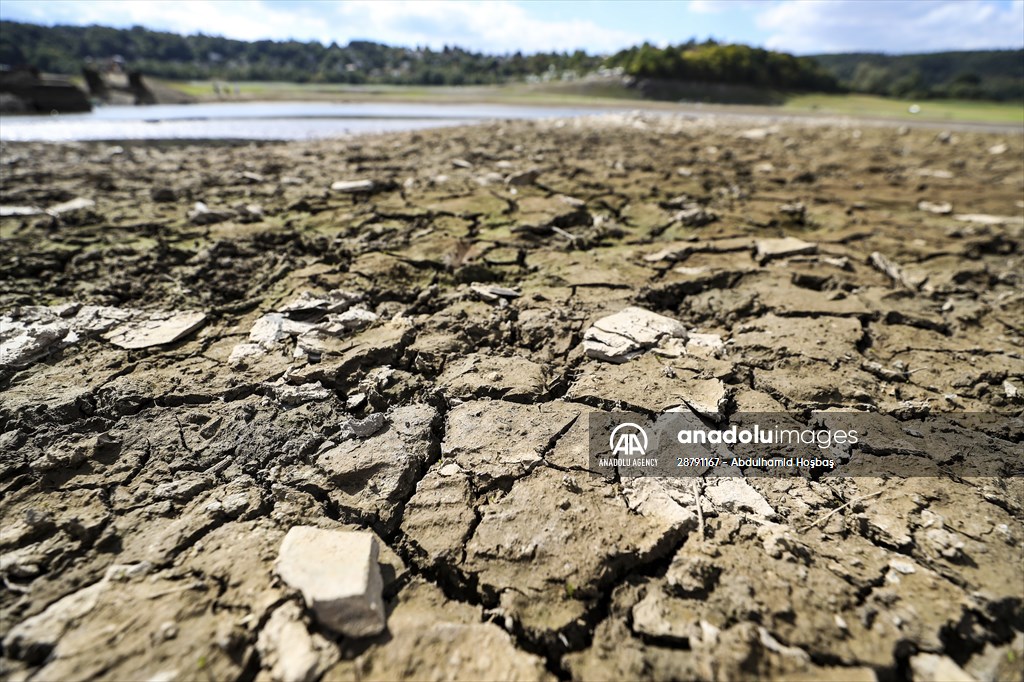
498 26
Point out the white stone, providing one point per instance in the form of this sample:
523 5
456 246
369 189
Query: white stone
78 204
27 343
288 649
334 301
734 494
629 332
243 351
303 393
353 186
1011 390
351 320
267 330
92 319
704 344
986 219
337 573
157 329
7 211
936 668
667 500
769 249
939 208
201 214
755 134
902 566
936 173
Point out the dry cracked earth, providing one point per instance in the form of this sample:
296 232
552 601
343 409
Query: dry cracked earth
206 345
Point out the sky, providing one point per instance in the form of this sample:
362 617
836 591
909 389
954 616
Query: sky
502 26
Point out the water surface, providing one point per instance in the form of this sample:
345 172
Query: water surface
259 120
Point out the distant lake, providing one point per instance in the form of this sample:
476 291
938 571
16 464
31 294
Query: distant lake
259 120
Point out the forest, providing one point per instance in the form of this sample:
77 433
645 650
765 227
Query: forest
993 75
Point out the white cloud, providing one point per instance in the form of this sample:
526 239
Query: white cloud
706 6
494 27
810 26
241 19
720 6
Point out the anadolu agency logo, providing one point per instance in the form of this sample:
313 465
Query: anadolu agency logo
628 440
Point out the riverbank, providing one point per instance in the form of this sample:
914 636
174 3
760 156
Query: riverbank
405 334
611 93
286 120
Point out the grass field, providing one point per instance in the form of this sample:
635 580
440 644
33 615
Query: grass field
604 94
934 110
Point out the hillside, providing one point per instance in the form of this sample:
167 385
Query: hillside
673 72
989 74
64 49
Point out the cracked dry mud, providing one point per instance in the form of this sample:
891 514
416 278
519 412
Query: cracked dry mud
404 354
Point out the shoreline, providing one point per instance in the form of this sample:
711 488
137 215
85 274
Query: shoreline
725 115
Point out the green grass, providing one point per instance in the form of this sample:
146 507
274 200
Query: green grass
932 110
607 94
553 94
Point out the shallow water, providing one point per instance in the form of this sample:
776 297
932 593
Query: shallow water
259 120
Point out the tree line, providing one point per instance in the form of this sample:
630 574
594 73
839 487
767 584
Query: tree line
983 74
710 62
65 49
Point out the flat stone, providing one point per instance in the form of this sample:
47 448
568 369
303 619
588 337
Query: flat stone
939 208
156 329
91 319
267 330
628 333
986 219
937 173
770 249
493 294
288 649
705 345
11 211
79 204
353 186
338 575
668 501
334 301
755 134
736 495
353 319
201 214
937 668
22 344
695 216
